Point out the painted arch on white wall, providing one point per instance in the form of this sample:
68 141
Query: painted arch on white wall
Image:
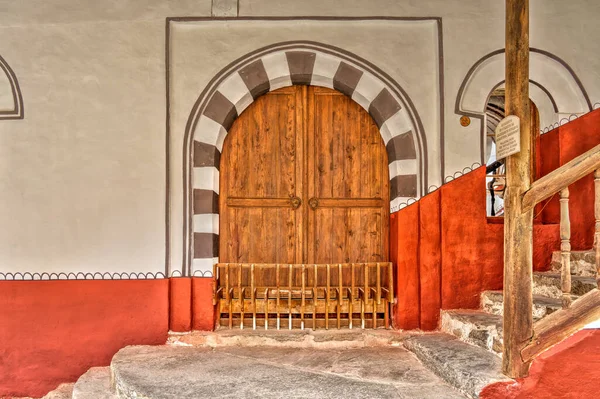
11 101
554 88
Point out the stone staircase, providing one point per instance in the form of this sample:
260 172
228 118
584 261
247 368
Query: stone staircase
467 352
484 327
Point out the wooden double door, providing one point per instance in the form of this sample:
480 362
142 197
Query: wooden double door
304 179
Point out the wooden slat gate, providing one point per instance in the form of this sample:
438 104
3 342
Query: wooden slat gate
303 295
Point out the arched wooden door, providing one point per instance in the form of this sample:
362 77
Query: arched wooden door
304 179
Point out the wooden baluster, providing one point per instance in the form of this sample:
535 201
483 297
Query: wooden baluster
315 298
378 292
597 214
215 285
366 282
327 297
339 294
241 290
350 299
302 304
350 309
227 280
266 308
278 296
374 308
386 318
290 269
565 248
228 295
253 296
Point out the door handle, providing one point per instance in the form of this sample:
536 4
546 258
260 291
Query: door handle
296 202
313 203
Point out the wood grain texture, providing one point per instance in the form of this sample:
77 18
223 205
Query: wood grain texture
518 225
304 178
562 177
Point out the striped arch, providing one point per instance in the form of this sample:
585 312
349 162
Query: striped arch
274 67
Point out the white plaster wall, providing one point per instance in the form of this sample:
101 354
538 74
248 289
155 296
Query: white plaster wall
82 177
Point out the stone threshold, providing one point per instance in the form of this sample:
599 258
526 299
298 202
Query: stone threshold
308 338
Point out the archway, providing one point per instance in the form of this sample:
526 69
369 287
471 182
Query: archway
270 68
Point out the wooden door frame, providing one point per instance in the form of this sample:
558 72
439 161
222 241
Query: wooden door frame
354 194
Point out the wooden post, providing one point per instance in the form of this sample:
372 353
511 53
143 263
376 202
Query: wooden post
518 226
565 248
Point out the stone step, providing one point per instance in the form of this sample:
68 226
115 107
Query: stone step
64 391
475 327
166 372
493 302
548 284
94 384
308 338
583 263
466 367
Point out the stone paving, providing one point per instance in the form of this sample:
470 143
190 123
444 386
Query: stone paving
170 372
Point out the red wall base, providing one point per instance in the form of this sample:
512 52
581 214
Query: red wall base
53 331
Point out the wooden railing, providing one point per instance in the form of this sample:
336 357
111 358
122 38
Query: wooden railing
574 315
303 295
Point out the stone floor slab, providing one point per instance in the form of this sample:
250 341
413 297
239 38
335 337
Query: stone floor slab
265 372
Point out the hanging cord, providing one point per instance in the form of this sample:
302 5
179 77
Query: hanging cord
544 207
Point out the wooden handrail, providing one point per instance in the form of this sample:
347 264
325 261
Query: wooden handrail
561 178
563 323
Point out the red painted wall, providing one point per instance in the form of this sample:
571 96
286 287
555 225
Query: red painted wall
53 331
203 310
446 252
559 147
570 369
180 303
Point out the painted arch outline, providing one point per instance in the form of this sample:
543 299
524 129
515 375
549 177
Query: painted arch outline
236 86
11 100
554 87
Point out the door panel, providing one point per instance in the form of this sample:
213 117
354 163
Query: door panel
318 146
348 183
260 174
